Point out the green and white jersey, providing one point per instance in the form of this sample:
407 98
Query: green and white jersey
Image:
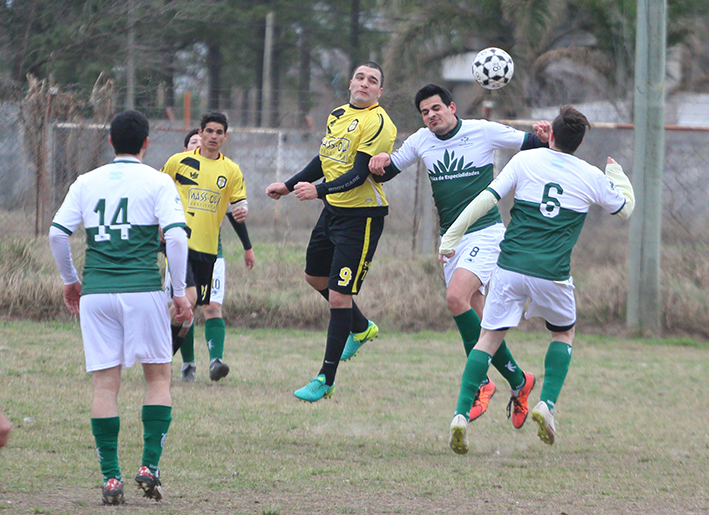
121 205
553 192
459 164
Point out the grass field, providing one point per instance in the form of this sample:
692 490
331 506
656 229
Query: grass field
632 430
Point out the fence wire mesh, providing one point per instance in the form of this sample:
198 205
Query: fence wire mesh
39 160
36 171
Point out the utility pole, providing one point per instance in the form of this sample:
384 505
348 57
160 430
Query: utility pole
644 306
130 60
354 35
266 89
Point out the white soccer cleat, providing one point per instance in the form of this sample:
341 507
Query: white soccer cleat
545 420
459 435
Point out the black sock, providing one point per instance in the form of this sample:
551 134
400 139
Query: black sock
359 321
337 333
177 341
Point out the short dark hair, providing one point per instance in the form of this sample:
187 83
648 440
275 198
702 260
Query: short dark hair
569 128
371 64
128 131
431 90
214 116
189 137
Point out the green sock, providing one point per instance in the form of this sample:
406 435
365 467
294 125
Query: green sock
156 422
105 431
474 374
187 347
507 366
556 365
469 328
214 332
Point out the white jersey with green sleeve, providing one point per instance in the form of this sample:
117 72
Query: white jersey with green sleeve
553 192
121 205
459 164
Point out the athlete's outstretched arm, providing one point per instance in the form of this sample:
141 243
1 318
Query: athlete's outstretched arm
477 208
345 182
311 173
622 184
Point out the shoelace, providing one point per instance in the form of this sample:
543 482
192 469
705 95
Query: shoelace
315 384
513 400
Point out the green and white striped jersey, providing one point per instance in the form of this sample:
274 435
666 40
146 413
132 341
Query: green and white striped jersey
553 192
121 205
460 164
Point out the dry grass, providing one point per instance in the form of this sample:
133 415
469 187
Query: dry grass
403 291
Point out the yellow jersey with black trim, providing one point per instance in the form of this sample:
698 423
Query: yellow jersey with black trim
351 130
206 187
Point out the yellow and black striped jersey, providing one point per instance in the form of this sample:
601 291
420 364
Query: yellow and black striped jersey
351 130
206 187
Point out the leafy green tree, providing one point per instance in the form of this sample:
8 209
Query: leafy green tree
563 49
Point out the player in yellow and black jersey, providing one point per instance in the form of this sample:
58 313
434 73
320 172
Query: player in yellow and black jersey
344 239
207 182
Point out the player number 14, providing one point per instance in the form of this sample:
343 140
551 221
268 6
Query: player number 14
119 221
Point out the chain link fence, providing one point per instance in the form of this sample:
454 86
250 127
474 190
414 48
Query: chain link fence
37 171
41 156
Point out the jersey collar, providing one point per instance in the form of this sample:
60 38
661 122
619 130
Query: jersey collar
363 108
452 132
127 159
198 151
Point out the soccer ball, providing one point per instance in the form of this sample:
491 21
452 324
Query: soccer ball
493 68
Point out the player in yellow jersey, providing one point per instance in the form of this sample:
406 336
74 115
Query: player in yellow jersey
214 328
344 239
207 182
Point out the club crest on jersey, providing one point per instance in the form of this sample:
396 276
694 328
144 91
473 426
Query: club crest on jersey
221 182
194 175
352 126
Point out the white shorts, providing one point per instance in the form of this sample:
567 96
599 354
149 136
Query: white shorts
124 329
218 277
477 252
218 282
509 291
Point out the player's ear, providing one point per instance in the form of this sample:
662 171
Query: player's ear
452 107
145 144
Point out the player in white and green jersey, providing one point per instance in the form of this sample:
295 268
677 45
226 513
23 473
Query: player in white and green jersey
123 309
553 191
459 156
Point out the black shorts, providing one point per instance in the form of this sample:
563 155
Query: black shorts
342 248
200 268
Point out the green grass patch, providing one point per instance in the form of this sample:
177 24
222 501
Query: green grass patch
632 434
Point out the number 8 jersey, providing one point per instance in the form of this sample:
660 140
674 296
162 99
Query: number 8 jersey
121 205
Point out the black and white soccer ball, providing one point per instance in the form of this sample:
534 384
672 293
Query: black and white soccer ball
493 68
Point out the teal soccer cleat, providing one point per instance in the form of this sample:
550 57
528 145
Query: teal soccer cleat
315 390
356 340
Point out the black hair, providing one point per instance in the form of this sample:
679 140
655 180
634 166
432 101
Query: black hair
189 137
371 64
128 131
431 90
214 116
569 128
